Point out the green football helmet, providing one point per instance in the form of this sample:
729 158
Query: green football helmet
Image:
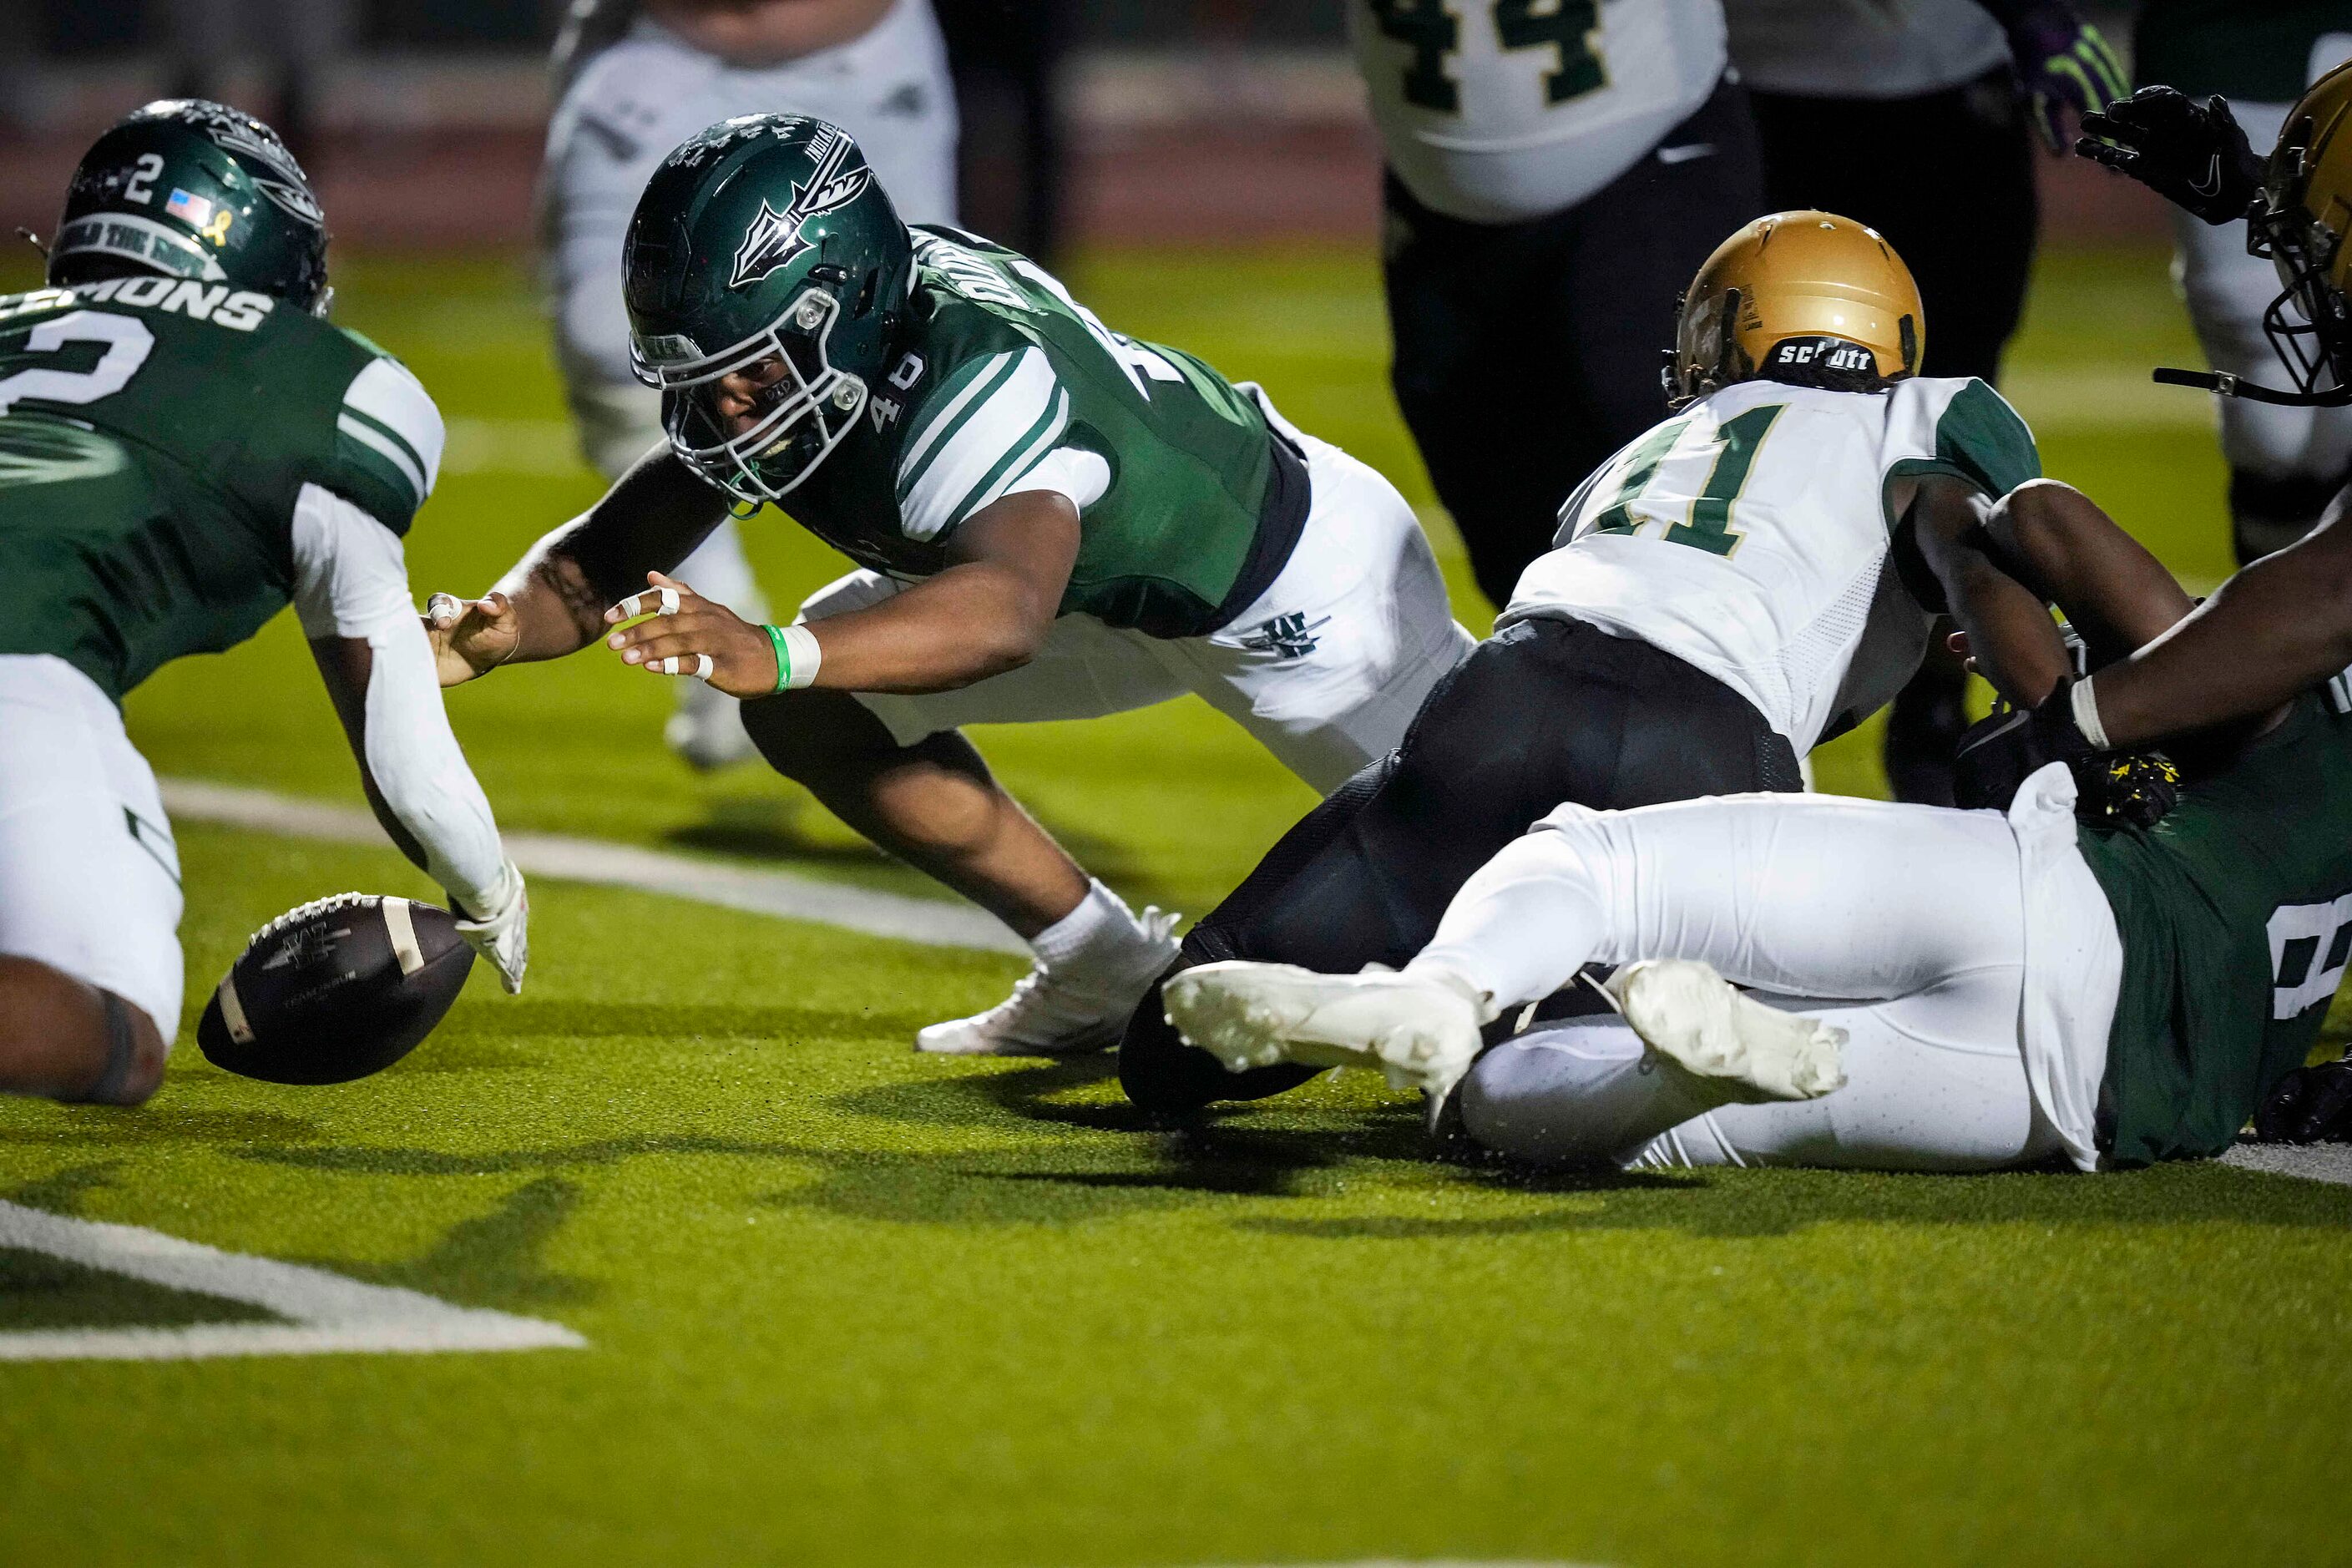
193 189
764 245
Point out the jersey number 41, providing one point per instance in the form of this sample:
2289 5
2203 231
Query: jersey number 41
1433 31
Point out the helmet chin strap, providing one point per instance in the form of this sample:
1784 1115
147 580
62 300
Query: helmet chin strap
2221 384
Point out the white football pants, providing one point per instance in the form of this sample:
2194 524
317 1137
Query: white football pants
1903 925
1369 632
90 877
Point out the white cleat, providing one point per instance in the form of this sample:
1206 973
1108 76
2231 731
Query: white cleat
1693 1017
1068 1011
707 730
1423 1034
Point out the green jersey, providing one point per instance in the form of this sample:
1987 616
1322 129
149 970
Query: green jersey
156 437
2235 913
1189 503
2260 53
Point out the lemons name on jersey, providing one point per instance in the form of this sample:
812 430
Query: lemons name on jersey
1188 502
1497 111
1751 536
155 436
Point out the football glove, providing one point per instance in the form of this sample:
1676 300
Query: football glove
2062 63
2111 788
502 934
2310 1105
2192 154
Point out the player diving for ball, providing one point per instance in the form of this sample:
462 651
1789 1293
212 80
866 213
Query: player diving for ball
1756 573
1947 990
186 444
1051 521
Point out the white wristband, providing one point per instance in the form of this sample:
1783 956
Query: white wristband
2086 717
800 643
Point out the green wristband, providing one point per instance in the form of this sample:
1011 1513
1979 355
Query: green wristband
783 657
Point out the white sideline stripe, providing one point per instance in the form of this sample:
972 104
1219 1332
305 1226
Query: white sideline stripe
329 1313
2330 1163
931 922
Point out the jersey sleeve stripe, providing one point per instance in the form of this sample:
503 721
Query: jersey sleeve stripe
387 396
969 387
1044 434
390 449
989 438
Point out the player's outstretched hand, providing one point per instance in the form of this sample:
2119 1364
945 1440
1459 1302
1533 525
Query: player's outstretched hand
2192 154
470 637
502 933
677 631
2063 62
2310 1105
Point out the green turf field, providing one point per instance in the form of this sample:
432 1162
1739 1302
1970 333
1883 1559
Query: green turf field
847 1305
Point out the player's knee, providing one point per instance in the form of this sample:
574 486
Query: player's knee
62 1038
816 737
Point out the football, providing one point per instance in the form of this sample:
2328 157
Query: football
335 989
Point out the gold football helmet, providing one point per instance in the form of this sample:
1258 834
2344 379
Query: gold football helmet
2303 225
1804 297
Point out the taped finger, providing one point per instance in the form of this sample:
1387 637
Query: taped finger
442 607
701 668
665 602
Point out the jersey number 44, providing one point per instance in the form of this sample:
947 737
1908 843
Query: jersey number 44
1433 31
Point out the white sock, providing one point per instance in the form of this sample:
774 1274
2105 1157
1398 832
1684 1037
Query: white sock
1102 924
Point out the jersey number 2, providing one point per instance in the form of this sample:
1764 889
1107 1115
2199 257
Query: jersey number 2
1709 528
127 342
1434 32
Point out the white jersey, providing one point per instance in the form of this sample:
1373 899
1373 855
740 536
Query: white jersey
1496 110
1750 536
1862 49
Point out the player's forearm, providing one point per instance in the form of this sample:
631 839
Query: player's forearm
2117 594
422 774
969 622
650 519
2014 643
2277 628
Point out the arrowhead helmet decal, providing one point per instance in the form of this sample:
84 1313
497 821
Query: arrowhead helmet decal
774 237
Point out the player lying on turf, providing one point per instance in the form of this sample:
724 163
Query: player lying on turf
186 442
1984 990
1051 521
1756 573
1937 989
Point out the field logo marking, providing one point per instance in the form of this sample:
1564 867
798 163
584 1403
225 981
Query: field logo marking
327 1314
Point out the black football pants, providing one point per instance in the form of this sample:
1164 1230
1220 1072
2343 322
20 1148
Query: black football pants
1544 712
1527 353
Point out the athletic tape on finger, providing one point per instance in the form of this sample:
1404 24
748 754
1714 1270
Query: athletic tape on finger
705 666
442 607
665 601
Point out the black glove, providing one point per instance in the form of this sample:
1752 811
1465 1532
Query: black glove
2310 1105
1998 755
2061 61
2192 154
2111 788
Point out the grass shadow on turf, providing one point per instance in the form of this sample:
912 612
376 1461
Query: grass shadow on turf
497 1259
1729 1204
70 1126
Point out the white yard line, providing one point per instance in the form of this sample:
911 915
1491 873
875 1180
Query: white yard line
2330 1163
327 1313
932 922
